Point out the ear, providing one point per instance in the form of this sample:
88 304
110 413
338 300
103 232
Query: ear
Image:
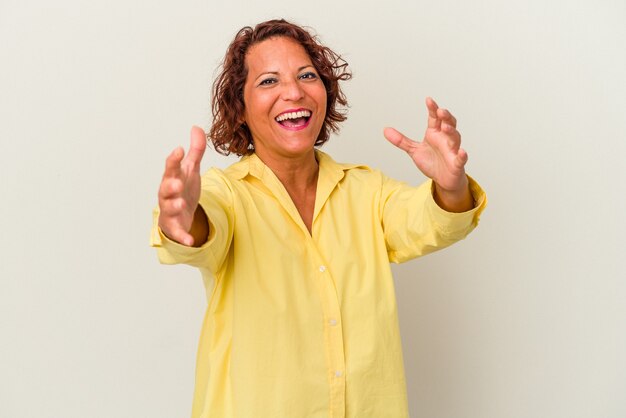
241 114
241 120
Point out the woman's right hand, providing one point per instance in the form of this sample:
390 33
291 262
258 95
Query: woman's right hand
179 194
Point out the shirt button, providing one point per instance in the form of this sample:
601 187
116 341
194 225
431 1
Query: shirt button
322 269
338 373
332 322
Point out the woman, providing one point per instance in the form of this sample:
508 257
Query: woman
294 248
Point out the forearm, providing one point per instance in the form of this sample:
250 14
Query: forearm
200 227
454 201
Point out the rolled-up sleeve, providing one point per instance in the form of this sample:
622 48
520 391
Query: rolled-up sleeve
413 223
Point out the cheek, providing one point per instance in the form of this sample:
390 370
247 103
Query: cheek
324 101
257 105
249 104
322 96
249 113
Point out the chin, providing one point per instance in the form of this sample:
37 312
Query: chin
298 143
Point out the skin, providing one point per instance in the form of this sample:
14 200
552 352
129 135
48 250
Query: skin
180 217
440 157
281 77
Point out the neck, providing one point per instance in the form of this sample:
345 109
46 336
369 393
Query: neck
299 177
295 173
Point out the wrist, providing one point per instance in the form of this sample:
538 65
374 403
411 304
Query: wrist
200 227
457 200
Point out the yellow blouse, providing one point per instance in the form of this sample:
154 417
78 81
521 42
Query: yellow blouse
305 325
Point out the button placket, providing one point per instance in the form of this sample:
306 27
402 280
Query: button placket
333 331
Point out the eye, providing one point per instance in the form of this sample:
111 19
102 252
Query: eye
310 75
267 81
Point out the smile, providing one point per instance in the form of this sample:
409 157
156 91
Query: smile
294 119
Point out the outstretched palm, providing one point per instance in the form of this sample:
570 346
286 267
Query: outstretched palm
179 192
439 156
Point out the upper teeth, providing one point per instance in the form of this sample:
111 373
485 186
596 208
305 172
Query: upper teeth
293 115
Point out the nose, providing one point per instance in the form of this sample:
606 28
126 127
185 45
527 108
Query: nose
291 91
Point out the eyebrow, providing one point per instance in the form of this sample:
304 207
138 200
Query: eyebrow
276 72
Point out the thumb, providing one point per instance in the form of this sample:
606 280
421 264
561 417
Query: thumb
399 140
197 146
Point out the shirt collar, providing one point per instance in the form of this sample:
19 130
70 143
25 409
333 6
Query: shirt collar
252 165
330 174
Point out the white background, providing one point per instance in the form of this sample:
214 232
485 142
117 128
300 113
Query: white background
525 318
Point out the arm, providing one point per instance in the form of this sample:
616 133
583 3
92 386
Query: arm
415 225
194 221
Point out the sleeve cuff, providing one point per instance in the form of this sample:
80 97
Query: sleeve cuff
464 221
172 252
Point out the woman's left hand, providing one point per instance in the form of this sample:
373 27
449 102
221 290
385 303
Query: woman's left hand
439 156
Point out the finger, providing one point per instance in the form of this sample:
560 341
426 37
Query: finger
399 140
445 116
171 187
453 136
169 210
172 163
461 158
172 215
197 146
433 120
179 235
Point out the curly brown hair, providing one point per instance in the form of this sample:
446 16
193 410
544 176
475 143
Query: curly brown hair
228 133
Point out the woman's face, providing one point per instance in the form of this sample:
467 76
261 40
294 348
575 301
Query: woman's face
284 99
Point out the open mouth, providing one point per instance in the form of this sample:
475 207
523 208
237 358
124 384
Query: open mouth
296 119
